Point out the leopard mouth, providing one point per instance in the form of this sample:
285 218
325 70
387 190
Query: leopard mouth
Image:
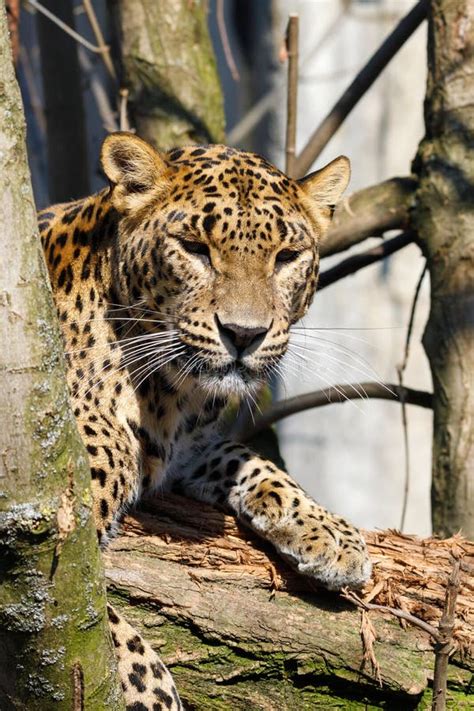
232 376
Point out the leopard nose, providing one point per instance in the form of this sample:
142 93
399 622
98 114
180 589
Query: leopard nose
241 337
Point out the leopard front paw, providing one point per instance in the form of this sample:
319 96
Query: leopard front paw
327 549
315 542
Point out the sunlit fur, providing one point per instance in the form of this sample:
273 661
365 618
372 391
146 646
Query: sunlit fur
245 212
176 288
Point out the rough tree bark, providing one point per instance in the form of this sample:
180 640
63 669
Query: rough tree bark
444 218
240 630
55 650
63 105
169 69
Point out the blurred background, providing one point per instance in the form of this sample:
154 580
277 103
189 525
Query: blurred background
349 456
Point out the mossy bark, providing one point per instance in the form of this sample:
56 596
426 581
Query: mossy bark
55 650
444 218
169 69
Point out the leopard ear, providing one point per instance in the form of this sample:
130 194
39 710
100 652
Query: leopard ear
325 186
135 170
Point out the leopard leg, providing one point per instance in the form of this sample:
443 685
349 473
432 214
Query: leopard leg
146 682
113 457
317 543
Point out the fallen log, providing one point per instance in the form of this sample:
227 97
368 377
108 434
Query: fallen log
240 630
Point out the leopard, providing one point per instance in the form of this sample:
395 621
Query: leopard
176 287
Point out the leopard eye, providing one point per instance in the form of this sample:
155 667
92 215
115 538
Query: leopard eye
197 248
286 255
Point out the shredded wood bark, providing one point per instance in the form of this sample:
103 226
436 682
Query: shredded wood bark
410 573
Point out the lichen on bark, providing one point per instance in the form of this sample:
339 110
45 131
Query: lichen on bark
52 597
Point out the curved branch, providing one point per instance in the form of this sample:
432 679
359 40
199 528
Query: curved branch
369 213
335 394
353 264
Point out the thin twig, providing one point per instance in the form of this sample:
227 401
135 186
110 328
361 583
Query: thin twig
32 89
229 57
335 394
291 41
400 372
353 264
406 448
253 117
402 614
269 100
359 86
96 29
68 30
104 107
123 112
444 642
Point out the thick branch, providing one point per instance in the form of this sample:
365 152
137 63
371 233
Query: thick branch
359 86
444 219
369 213
174 92
353 264
241 630
332 395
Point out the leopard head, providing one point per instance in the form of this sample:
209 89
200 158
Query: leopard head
223 246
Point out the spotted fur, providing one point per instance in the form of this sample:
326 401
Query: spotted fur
175 289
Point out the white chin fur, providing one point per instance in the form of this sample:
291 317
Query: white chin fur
229 384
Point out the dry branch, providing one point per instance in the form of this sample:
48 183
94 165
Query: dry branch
359 86
369 213
241 630
65 27
335 394
401 372
291 42
353 264
444 646
229 57
99 36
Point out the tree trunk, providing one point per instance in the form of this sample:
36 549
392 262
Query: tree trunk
168 66
63 105
55 650
240 630
444 218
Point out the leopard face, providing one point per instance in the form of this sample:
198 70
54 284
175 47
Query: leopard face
222 247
